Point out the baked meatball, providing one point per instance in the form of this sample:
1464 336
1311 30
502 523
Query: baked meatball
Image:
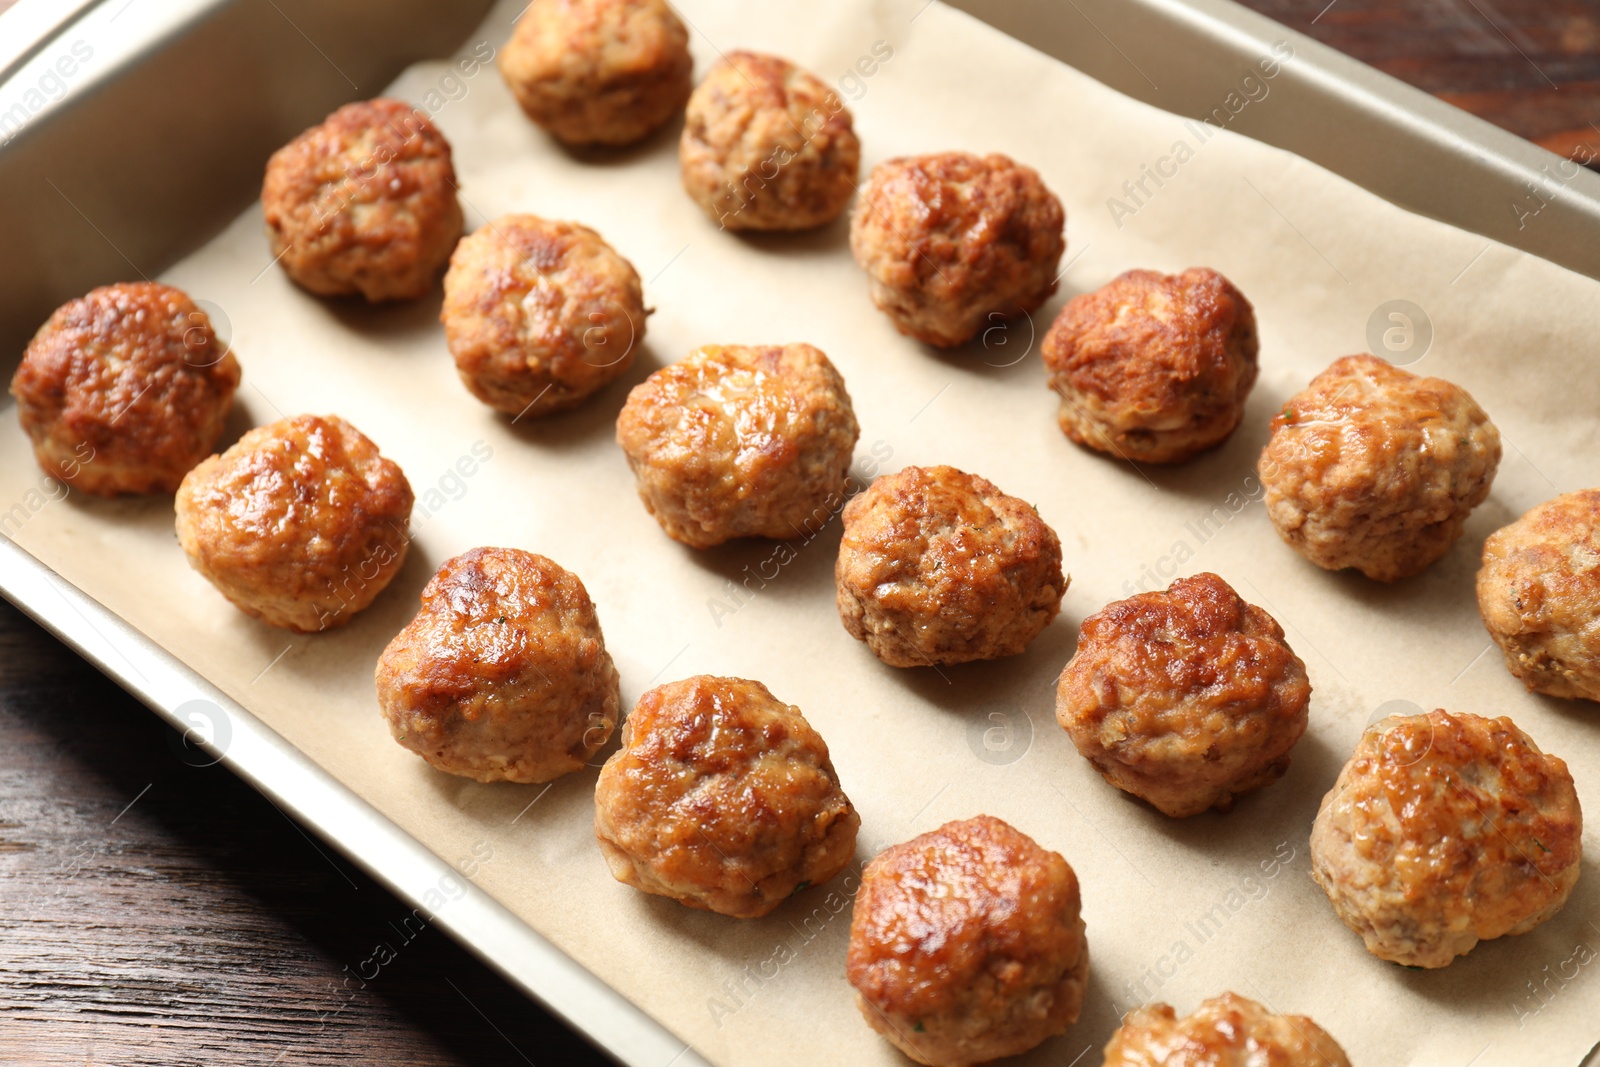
1153 367
540 315
364 203
125 390
603 72
740 441
1539 595
954 243
967 944
1374 468
1225 1031
722 797
503 675
939 566
300 524
1445 830
768 146
1188 697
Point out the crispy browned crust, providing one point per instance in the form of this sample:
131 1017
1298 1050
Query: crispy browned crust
967 944
1188 697
1445 830
601 72
300 524
1153 367
768 146
741 441
503 676
939 566
955 242
1539 595
540 315
364 203
722 797
1225 1031
125 389
1375 468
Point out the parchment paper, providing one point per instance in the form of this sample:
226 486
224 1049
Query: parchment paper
1176 910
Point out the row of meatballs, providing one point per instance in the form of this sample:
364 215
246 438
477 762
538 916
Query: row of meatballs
126 390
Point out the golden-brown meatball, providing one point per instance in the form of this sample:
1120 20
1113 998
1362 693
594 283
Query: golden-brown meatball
768 146
955 242
1445 830
503 676
939 566
599 71
722 797
740 441
1188 697
1153 367
1539 595
364 203
540 315
1374 468
1225 1031
125 390
300 524
967 944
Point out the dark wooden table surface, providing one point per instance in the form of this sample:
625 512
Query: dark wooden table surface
155 912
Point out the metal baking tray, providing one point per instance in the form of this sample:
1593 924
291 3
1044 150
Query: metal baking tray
154 116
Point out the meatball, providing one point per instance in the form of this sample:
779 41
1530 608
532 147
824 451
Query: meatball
125 390
599 72
939 566
503 675
1153 367
1445 830
1539 595
364 203
300 524
540 315
955 242
741 441
967 944
1225 1031
1187 698
768 146
1374 468
722 797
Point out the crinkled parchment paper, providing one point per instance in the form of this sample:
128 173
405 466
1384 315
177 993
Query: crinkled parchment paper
1176 911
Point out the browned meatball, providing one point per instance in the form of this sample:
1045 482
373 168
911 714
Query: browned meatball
740 441
503 676
955 242
364 203
722 797
939 566
540 315
768 146
300 524
967 944
1153 367
1374 468
1225 1031
125 390
599 71
1539 595
1445 830
1187 698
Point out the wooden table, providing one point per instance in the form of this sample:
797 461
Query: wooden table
153 912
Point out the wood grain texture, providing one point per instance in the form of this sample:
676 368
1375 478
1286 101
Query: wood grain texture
158 913
1528 66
